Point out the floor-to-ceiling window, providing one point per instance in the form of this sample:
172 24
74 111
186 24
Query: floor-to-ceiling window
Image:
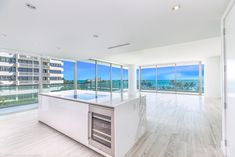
166 77
19 76
137 77
103 76
86 73
57 75
116 78
175 77
187 78
125 78
148 78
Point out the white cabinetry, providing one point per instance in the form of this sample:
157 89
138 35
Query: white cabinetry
68 117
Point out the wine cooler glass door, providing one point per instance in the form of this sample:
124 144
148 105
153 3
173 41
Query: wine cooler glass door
101 129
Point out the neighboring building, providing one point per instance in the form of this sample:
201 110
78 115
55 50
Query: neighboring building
17 69
19 76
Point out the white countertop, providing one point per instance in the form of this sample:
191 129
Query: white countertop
107 100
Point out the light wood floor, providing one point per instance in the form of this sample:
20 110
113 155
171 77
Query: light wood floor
178 126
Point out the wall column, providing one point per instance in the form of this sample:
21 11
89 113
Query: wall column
132 86
212 84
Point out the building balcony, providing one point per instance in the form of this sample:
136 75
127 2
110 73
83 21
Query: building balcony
56 75
25 73
56 62
7 73
26 57
28 73
56 81
6 54
7 64
53 81
46 74
28 82
45 66
4 83
25 65
56 68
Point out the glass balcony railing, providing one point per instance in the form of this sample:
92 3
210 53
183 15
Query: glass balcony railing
18 95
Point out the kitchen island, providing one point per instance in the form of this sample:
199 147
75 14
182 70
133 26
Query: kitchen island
108 123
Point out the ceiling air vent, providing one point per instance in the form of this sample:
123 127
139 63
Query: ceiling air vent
117 46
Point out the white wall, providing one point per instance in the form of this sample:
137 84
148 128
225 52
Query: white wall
212 84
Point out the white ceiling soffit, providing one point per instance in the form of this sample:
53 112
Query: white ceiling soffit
191 51
86 28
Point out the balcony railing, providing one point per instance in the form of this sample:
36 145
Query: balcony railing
28 73
28 82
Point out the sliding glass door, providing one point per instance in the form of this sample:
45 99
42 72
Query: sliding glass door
166 77
104 82
116 78
187 78
180 77
148 78
86 75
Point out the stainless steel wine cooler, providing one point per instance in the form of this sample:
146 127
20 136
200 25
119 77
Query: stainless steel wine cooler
101 129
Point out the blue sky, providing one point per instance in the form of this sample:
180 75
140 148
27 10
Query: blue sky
87 71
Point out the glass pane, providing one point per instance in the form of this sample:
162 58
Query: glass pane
137 78
202 78
103 76
21 89
18 95
166 78
125 78
148 78
57 75
187 78
86 75
116 78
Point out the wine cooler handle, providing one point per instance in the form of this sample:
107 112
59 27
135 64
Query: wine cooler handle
89 125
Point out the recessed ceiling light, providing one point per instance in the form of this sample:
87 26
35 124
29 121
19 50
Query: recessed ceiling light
176 7
95 36
30 6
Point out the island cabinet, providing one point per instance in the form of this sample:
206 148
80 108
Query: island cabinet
110 128
68 117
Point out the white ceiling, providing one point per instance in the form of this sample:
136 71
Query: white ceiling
65 28
190 51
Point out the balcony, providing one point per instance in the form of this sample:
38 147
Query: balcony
25 65
56 75
7 73
56 68
45 66
53 81
46 81
56 81
25 73
7 64
26 57
28 73
28 82
3 83
56 62
6 54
